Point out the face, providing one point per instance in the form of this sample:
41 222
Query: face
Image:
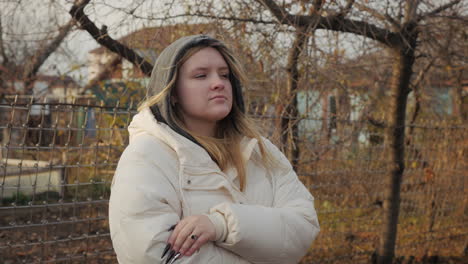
203 89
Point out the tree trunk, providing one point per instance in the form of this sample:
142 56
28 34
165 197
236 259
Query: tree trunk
289 119
394 139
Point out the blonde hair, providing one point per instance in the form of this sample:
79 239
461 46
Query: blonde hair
224 148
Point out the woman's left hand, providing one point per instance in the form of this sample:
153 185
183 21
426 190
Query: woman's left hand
191 233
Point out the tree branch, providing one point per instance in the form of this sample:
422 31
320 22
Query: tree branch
251 20
437 10
335 23
347 8
77 12
422 74
318 5
376 14
256 21
278 12
35 62
411 8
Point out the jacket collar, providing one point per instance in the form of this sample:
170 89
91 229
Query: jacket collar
189 153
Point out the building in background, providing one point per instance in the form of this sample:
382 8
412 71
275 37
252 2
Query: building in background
351 108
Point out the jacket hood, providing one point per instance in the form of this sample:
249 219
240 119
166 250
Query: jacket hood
164 69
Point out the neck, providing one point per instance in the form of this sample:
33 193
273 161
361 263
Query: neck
201 128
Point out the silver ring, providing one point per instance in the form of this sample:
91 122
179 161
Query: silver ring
194 237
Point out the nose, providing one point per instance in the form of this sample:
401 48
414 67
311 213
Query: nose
218 83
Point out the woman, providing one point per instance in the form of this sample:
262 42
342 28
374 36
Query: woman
197 183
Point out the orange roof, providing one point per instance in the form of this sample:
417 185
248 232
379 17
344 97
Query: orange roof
159 37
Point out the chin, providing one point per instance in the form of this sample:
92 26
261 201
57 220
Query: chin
220 115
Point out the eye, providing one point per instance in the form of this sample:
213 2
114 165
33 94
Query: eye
225 75
200 76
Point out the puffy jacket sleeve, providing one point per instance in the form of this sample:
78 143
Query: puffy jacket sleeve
142 207
279 234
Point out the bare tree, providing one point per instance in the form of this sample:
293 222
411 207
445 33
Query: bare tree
400 34
394 25
26 42
21 60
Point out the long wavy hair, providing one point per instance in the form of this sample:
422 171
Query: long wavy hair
224 147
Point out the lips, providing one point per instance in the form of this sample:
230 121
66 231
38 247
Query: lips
218 97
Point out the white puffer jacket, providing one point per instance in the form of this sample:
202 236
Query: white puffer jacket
162 177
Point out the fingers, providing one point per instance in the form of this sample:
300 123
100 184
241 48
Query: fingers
170 261
172 228
166 250
182 242
197 244
173 256
175 233
183 238
190 241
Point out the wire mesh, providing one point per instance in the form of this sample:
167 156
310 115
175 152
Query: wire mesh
57 162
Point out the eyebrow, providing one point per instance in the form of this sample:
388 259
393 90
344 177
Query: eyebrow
207 68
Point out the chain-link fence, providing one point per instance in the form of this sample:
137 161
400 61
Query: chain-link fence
57 162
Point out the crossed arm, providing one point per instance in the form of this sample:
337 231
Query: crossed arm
144 204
